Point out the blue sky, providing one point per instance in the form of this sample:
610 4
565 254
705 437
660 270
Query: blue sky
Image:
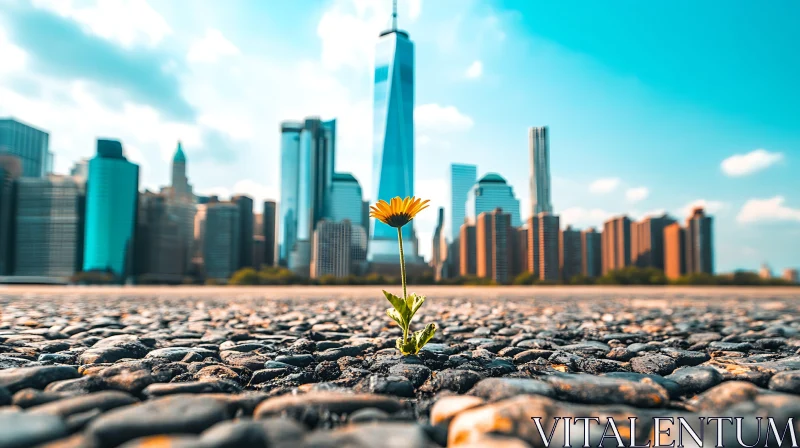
652 106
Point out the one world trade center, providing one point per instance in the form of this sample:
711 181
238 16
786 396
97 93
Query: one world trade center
393 136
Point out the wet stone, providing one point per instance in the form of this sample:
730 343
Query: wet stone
788 381
496 389
386 385
21 430
35 377
416 373
693 380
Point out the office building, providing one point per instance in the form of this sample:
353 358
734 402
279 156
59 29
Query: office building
616 244
246 231
331 249
791 275
10 171
765 272
358 250
439 248
393 134
221 242
674 251
268 223
493 253
647 241
31 145
699 243
539 148
533 245
519 250
571 259
591 253
462 179
307 162
160 250
467 251
258 251
490 193
346 200
80 170
549 251
181 201
49 226
112 192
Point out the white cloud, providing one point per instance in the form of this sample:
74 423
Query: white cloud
772 209
708 205
637 194
349 28
211 47
475 70
744 164
127 22
13 57
604 185
579 216
436 118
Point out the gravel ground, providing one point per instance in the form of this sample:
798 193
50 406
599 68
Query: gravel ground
317 367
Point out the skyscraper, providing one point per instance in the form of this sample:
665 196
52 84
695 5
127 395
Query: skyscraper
467 250
346 200
245 204
591 253
674 251
490 193
268 221
571 260
48 227
647 241
10 171
519 250
548 242
616 244
393 131
290 187
112 193
181 202
462 178
539 148
493 253
160 250
439 248
221 243
699 243
791 275
331 249
307 162
29 144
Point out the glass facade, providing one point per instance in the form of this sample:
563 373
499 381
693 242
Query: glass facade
290 169
111 202
539 142
393 127
346 200
493 192
29 144
221 240
48 225
462 179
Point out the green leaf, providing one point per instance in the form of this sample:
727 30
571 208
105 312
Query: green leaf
391 312
398 304
415 302
423 336
409 348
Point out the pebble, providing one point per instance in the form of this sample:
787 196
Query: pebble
693 380
653 364
21 430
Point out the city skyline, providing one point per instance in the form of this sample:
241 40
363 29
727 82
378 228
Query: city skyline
623 167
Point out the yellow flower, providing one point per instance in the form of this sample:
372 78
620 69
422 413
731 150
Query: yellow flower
398 212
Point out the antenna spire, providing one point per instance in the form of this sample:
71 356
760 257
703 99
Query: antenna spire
394 15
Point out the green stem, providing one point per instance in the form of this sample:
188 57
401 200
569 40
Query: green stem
403 275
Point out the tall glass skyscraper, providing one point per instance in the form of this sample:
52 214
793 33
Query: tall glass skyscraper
112 193
539 147
462 178
492 192
308 152
29 144
393 127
